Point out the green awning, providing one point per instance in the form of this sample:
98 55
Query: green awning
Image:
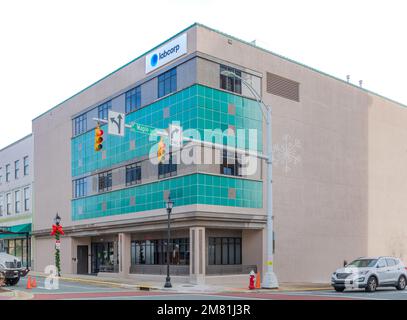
17 231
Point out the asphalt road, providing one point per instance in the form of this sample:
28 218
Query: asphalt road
87 291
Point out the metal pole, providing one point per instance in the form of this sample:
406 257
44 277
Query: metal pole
168 279
270 278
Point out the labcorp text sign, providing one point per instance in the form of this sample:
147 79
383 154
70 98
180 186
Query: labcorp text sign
166 53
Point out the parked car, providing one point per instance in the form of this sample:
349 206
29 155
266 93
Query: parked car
11 269
371 273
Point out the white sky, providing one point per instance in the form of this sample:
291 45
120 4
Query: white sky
50 50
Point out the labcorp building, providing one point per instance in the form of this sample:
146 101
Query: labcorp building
339 178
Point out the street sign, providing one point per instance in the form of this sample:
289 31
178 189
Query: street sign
116 122
142 128
175 135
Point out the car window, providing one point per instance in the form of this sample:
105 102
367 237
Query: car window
391 262
362 263
382 263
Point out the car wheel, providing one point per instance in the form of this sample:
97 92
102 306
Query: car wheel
371 284
339 289
401 284
12 282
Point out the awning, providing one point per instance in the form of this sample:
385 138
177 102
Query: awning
14 232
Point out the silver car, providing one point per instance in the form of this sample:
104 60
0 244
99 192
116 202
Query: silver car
371 273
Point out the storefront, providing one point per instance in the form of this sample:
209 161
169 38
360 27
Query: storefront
16 240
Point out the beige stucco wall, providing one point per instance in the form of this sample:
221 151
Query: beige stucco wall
387 179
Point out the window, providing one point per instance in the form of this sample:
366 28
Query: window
167 83
231 83
8 203
16 168
167 169
382 263
1 175
17 201
7 173
27 204
230 165
1 206
391 262
25 163
18 247
80 124
154 252
80 188
133 174
105 181
103 110
225 250
133 99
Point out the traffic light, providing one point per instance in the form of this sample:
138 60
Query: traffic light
161 150
98 138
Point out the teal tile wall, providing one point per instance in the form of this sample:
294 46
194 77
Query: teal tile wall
185 190
197 107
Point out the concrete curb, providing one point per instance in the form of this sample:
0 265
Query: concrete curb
148 287
101 282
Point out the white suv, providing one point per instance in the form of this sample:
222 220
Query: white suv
370 273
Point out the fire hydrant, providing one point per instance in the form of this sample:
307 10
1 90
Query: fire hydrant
251 281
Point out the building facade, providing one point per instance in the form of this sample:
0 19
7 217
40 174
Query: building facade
16 189
328 197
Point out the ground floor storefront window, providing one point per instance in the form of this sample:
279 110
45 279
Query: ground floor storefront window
104 257
18 248
224 251
154 252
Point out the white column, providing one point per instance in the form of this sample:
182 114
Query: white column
197 249
124 254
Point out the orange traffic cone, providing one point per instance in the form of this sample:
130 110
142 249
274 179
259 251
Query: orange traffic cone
258 280
34 283
29 283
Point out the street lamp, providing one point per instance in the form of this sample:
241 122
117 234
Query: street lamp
57 231
270 278
57 219
169 204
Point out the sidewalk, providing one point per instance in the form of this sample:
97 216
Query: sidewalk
180 286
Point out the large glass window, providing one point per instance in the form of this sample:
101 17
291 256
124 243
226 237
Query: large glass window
8 203
167 82
25 160
105 181
80 188
27 198
133 174
103 110
133 99
16 169
167 169
17 201
103 257
230 83
7 173
80 125
224 250
155 252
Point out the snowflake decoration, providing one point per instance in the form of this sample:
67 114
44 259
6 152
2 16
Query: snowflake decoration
285 154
